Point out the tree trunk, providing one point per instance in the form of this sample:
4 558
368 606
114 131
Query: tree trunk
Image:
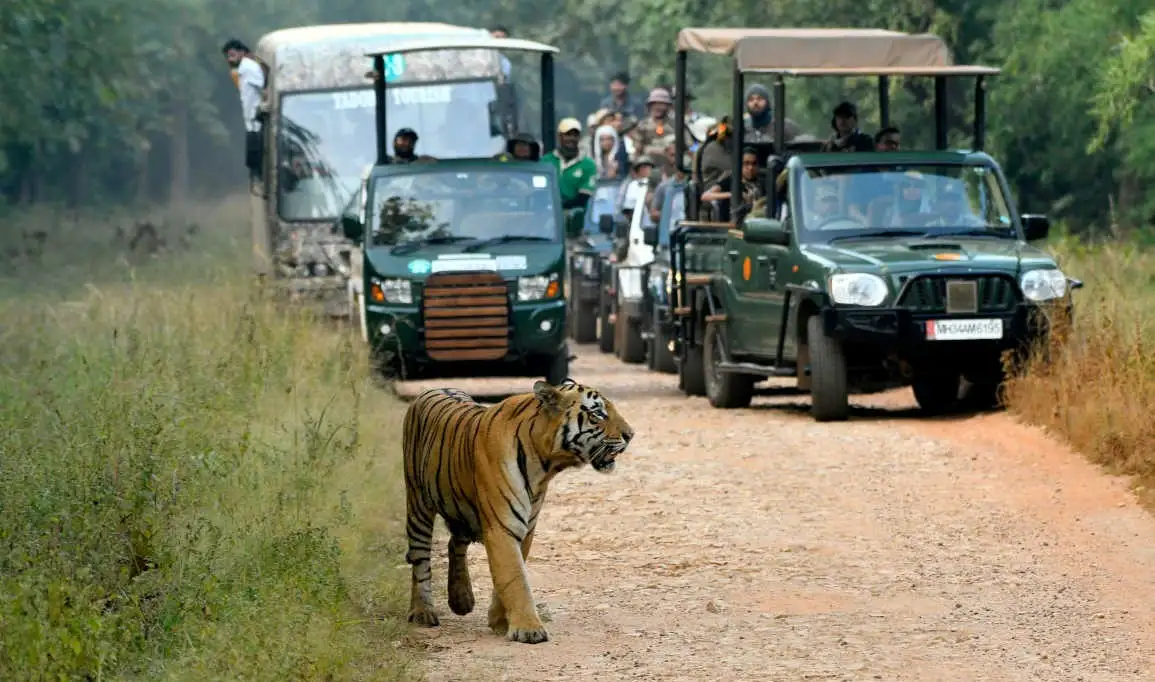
178 153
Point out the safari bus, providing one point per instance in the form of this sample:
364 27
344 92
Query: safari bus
319 137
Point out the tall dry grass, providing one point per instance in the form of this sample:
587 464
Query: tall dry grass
1096 387
195 483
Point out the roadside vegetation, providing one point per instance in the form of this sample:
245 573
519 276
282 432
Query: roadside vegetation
1094 386
195 483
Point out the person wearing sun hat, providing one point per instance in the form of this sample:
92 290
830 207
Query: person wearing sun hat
577 173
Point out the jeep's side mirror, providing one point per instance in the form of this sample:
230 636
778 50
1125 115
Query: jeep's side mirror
650 235
351 226
1035 226
606 223
621 227
765 231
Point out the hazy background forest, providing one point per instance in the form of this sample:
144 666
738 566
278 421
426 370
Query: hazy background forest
120 101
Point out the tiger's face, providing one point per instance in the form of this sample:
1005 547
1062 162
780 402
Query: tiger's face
589 425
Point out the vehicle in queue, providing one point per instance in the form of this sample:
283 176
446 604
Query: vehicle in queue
463 260
621 276
656 319
317 133
586 250
868 270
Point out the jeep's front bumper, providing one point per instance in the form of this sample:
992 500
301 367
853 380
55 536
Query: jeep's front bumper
906 330
537 329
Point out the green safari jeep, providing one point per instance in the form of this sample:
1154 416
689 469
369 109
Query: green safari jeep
877 270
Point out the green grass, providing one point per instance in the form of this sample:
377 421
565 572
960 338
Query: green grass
1097 388
195 483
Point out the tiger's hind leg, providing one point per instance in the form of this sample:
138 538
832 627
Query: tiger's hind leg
460 587
419 528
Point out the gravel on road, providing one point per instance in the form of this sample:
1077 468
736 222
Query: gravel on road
757 544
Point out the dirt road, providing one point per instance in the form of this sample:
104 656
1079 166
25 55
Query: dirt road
757 544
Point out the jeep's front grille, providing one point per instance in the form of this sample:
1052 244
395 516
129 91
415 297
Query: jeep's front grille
927 294
466 316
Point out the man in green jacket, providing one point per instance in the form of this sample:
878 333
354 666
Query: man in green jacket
577 174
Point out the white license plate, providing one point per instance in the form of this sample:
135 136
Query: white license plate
963 330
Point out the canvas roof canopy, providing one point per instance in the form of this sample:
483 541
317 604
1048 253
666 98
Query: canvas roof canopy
723 40
461 42
830 52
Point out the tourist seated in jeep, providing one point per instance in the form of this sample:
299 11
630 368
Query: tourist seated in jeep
846 136
718 194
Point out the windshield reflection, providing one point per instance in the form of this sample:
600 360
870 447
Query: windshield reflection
327 139
468 205
924 199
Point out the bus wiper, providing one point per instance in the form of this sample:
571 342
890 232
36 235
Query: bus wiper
504 239
402 249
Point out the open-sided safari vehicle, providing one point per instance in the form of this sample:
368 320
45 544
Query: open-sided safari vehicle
869 270
463 259
586 251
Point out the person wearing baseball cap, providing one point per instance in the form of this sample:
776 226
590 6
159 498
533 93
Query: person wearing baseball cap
577 173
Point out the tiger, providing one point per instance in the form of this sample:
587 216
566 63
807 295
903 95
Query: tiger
485 470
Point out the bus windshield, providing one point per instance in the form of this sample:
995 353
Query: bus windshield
328 138
463 206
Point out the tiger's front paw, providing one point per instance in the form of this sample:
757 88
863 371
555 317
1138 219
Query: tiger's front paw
422 615
531 635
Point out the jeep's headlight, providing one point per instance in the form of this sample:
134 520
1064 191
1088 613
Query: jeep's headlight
857 288
391 290
1044 285
537 287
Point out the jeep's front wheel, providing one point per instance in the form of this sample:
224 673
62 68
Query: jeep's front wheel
829 394
661 357
723 389
557 368
691 373
629 344
584 322
605 330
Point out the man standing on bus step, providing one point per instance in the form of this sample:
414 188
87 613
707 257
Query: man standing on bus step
249 76
577 173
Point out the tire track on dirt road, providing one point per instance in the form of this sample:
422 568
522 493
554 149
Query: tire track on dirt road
756 544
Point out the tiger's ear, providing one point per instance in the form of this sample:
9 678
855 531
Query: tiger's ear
547 394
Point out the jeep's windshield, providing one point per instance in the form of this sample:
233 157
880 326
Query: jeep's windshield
601 203
896 200
450 206
328 138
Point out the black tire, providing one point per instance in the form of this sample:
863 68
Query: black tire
724 389
584 324
829 394
984 394
558 368
605 330
937 393
661 359
630 345
692 372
